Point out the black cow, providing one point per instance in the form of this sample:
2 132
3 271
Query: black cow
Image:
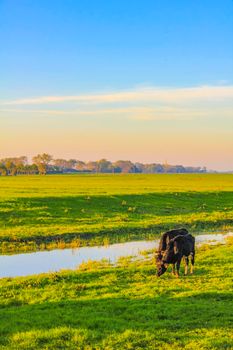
167 236
165 239
173 246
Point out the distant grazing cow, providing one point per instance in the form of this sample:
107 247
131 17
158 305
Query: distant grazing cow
173 246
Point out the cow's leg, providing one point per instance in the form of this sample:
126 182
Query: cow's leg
173 269
178 267
192 262
186 261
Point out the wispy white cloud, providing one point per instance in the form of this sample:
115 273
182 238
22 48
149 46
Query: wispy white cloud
162 95
161 113
148 104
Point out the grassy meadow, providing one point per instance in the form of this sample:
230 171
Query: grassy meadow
44 212
100 307
127 307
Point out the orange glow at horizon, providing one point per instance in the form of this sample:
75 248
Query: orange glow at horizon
178 148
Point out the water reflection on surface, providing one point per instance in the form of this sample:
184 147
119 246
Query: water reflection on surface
55 260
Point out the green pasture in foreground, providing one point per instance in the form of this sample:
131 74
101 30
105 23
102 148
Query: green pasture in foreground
43 212
122 308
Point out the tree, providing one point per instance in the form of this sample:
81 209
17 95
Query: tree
125 165
92 166
12 166
9 165
104 166
42 161
81 166
71 163
63 164
3 170
60 163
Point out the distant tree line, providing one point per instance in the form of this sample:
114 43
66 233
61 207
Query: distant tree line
45 164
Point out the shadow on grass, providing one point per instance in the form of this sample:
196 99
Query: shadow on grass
125 213
161 313
68 208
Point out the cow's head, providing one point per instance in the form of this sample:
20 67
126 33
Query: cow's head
161 266
161 269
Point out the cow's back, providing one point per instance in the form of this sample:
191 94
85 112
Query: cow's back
167 236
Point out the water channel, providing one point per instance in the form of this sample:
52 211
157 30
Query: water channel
55 260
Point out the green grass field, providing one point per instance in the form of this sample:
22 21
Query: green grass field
122 308
43 212
98 307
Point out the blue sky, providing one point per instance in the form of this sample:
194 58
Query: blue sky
112 49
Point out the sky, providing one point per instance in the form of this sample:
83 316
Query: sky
145 80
